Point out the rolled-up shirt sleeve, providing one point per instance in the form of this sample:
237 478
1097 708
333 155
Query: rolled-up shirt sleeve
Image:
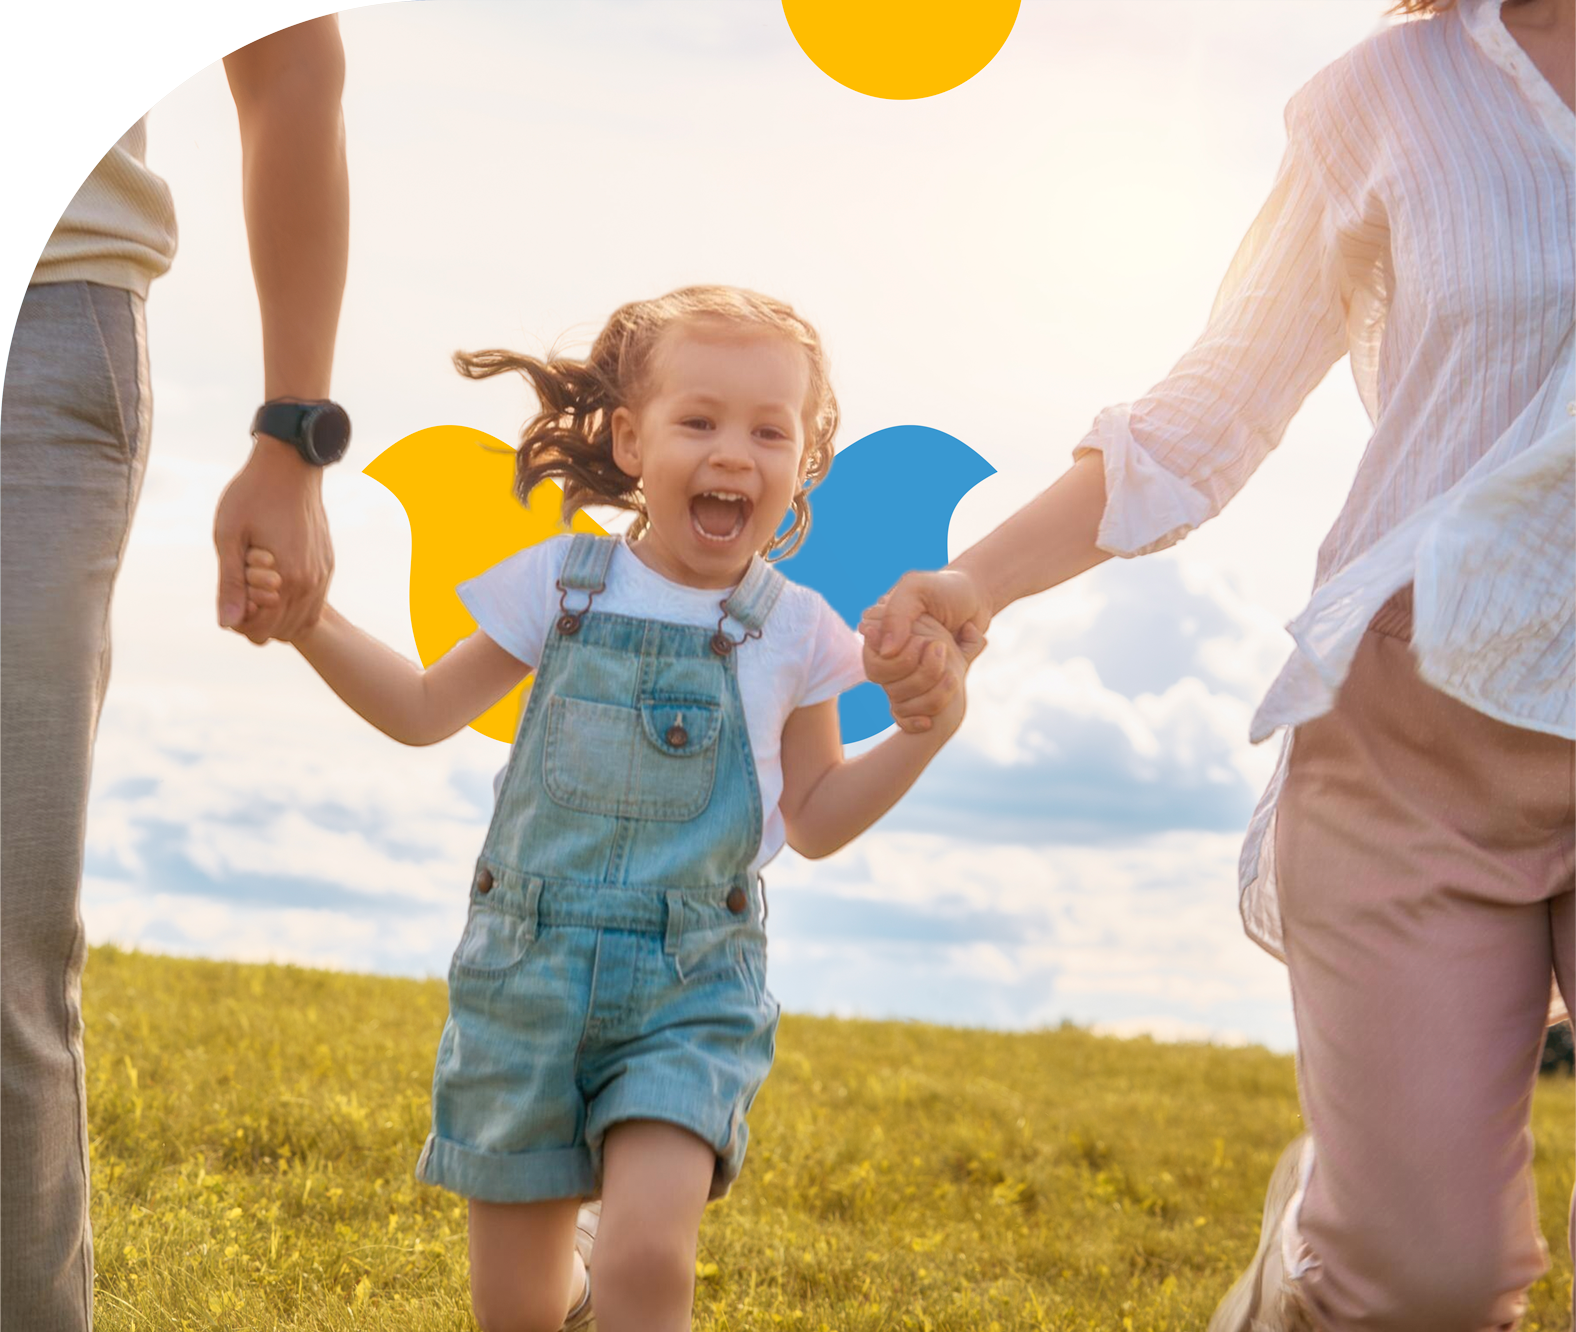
1175 456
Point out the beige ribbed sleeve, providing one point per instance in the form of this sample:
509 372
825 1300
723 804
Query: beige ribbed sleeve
119 228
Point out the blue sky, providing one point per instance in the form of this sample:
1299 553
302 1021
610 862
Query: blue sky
1000 262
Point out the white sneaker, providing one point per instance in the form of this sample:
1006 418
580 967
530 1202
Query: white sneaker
581 1318
1261 1300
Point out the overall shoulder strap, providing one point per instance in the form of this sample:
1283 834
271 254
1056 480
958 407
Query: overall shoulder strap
755 597
585 567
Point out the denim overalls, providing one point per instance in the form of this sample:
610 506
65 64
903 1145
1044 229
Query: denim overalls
613 966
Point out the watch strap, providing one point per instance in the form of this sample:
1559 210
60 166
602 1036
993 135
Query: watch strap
292 422
282 420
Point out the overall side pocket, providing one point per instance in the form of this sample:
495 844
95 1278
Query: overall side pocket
494 943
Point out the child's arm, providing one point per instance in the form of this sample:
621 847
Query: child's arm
414 706
828 800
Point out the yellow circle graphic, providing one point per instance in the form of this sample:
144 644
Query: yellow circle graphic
901 49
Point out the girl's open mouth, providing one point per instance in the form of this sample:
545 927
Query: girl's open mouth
718 516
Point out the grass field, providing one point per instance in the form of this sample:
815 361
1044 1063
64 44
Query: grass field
254 1130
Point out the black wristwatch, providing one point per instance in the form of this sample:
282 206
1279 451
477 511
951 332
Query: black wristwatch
320 431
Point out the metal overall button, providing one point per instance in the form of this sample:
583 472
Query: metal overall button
738 900
682 728
568 621
721 644
484 881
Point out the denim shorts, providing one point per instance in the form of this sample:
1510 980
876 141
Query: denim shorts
575 1007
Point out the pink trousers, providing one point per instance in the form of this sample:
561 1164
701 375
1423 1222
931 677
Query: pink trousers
1426 855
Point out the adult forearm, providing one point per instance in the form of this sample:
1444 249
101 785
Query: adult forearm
296 195
1048 541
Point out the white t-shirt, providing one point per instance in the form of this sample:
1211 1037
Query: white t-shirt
805 655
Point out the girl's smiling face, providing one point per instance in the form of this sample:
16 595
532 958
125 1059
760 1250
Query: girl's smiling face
718 444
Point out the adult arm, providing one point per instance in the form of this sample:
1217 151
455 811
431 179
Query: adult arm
1051 539
1150 472
296 195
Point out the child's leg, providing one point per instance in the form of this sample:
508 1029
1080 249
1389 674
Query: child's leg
656 1179
525 1275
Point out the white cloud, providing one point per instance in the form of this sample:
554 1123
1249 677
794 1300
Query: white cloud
1021 936
1109 709
342 941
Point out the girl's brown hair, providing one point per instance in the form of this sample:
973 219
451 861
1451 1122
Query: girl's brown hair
571 436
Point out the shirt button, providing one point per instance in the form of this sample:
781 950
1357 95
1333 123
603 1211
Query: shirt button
1570 409
738 900
678 737
484 881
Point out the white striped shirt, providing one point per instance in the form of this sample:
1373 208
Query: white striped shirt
1423 222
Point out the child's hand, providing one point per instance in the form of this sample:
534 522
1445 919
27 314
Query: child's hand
924 677
917 687
943 662
263 581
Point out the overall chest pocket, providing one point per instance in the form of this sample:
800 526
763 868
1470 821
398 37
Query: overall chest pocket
654 761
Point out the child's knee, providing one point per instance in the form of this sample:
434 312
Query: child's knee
516 1307
651 1262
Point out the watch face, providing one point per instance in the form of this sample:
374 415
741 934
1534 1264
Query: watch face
326 432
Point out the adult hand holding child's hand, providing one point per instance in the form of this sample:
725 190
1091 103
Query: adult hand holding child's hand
275 499
944 659
920 686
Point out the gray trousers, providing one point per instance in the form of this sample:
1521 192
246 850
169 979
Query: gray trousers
73 445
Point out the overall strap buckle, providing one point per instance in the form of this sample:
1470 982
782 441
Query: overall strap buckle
585 570
750 604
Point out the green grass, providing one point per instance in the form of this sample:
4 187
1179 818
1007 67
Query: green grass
254 1130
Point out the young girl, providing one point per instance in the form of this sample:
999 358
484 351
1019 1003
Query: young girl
609 1020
